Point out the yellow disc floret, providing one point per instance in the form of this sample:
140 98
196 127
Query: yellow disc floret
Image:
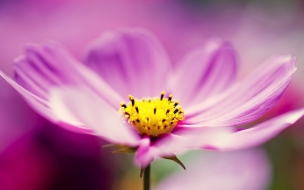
153 116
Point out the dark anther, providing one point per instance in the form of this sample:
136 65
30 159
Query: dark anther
175 104
175 111
154 110
165 126
162 96
147 119
158 127
133 102
138 120
123 105
136 108
148 128
167 111
171 122
163 120
127 113
170 97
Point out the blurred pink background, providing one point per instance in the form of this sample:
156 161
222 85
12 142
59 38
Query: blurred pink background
35 154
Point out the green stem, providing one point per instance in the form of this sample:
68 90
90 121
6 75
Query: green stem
147 178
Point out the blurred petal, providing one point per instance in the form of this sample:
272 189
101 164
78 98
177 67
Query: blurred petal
76 104
38 104
42 107
218 171
132 62
249 99
204 72
181 140
218 138
42 67
246 138
50 64
142 156
91 80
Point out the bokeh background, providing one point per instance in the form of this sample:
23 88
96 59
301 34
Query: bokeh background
37 155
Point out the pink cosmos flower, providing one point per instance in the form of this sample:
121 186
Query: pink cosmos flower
132 67
239 170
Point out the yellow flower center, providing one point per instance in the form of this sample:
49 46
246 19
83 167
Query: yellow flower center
153 116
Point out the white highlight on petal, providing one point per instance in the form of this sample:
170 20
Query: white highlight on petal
61 110
79 104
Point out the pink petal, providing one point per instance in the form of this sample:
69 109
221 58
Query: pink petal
204 72
222 171
42 67
42 107
246 138
81 105
50 64
178 142
143 158
38 104
259 134
91 80
249 99
217 138
132 62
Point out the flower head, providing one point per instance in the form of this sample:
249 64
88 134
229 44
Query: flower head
132 67
153 117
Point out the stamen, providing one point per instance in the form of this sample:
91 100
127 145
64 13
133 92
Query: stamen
123 105
131 98
162 95
176 103
136 108
170 97
157 116
175 111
